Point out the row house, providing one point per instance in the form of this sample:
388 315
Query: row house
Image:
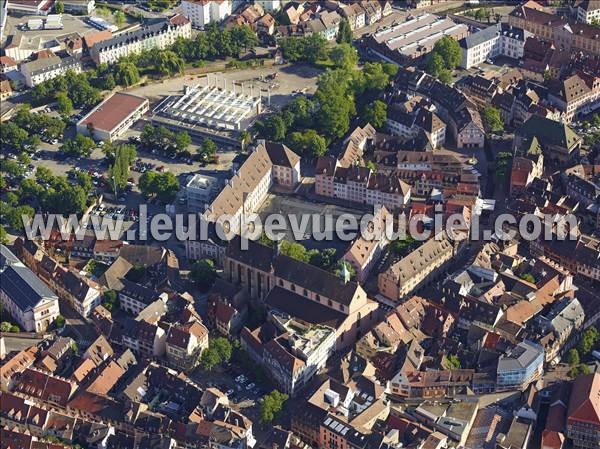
360 185
185 344
45 69
135 297
158 35
421 119
416 269
432 383
455 109
575 96
82 293
327 25
587 11
564 319
364 253
355 14
144 339
566 34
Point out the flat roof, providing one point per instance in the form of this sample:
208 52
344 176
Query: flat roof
113 111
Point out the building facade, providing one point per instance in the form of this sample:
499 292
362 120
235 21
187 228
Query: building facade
44 69
158 35
520 366
24 297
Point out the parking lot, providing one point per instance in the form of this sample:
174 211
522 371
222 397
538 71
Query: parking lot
290 79
243 391
296 206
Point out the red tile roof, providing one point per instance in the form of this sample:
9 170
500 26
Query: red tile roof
112 111
584 404
93 38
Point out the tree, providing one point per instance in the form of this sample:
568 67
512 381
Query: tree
59 7
434 63
308 143
584 369
111 300
449 50
342 266
315 48
209 359
169 63
208 148
15 216
119 18
400 247
5 326
588 340
453 361
164 185
528 277
223 348
203 274
375 114
126 74
3 235
182 141
294 250
492 120
271 406
271 128
573 357
60 321
344 56
243 37
344 35
336 103
323 259
219 350
244 138
547 75
64 103
80 145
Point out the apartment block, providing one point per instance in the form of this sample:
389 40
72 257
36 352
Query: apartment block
157 35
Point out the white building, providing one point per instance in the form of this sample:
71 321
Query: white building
134 297
158 35
497 40
588 11
203 12
79 6
269 5
25 297
115 115
200 191
44 69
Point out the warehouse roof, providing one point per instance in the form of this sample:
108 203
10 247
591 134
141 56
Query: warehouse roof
109 114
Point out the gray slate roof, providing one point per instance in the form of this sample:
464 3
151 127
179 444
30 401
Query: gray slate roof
20 283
